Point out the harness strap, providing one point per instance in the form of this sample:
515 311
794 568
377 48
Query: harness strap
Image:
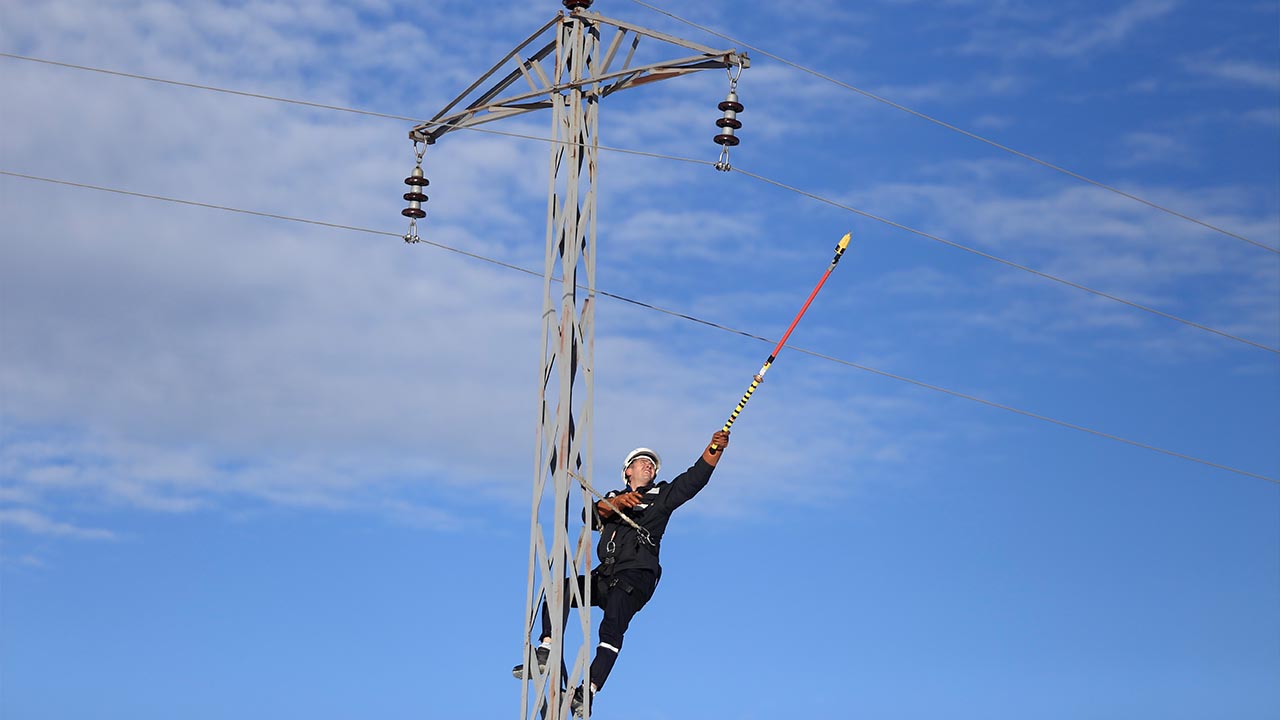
607 562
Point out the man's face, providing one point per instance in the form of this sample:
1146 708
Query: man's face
640 472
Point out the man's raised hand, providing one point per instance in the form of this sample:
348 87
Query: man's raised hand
718 441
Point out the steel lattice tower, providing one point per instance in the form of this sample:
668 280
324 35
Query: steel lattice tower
560 543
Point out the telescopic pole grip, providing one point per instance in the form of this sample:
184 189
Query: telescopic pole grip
755 383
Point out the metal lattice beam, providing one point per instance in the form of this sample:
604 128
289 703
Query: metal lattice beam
564 435
564 71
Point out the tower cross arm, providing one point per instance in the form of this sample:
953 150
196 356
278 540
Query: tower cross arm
496 101
431 130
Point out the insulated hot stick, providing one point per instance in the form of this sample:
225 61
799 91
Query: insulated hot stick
759 378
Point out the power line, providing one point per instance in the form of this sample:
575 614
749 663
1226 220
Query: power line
210 88
672 313
1010 263
323 106
676 158
784 186
960 130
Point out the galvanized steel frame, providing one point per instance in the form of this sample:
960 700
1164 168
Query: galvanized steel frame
572 88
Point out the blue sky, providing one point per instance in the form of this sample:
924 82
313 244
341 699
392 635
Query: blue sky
253 468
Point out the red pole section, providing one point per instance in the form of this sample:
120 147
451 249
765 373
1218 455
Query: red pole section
759 377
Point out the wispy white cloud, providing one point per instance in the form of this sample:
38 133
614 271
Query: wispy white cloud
685 234
27 560
1155 148
36 523
1269 117
166 370
12 494
979 87
1239 72
993 122
1102 241
192 360
1076 35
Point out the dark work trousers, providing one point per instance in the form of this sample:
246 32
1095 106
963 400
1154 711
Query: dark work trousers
621 595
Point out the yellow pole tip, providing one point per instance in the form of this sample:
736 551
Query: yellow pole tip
844 241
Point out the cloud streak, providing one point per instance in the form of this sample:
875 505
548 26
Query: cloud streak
1075 37
1240 72
176 360
38 524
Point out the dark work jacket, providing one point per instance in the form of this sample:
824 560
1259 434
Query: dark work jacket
660 500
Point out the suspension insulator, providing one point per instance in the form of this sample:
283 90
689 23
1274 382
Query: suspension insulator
730 122
415 196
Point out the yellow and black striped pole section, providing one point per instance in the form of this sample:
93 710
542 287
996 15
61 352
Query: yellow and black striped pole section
759 378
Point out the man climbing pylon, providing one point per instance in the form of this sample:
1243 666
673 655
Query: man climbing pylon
629 569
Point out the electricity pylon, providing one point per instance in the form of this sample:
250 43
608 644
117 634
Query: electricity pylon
572 86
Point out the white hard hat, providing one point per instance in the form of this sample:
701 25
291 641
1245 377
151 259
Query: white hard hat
642 452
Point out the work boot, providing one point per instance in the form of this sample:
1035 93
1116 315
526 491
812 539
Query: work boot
540 654
578 704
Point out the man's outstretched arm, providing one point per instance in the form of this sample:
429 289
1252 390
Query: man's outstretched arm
691 481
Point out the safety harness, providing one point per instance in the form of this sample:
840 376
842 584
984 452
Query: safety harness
607 563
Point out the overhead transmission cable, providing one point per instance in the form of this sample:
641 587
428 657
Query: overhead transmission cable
1012 264
962 131
675 158
210 88
672 313
815 73
323 106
